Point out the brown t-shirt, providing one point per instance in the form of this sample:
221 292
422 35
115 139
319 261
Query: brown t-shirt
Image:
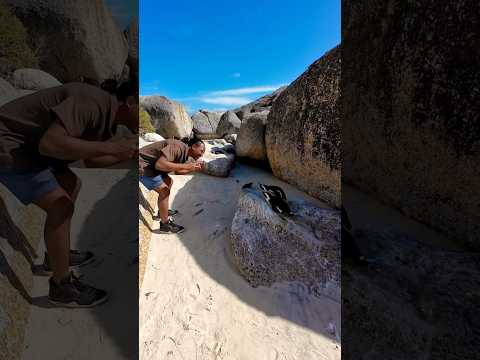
174 151
86 112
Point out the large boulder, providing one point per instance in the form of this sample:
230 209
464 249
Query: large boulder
411 100
229 124
303 135
9 93
251 137
205 123
21 229
416 302
169 118
153 137
74 38
219 158
33 79
232 138
268 247
260 105
131 34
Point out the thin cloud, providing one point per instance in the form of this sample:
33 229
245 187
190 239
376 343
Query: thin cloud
245 90
236 75
226 100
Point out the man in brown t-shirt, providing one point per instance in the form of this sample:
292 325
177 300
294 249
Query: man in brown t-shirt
40 134
156 161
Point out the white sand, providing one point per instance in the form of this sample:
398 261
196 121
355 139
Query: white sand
105 222
195 306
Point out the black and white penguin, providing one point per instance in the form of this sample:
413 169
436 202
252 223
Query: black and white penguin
276 198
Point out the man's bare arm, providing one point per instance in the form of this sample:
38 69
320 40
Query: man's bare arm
163 164
110 160
102 161
58 144
182 172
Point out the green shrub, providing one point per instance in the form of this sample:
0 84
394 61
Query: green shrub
14 40
145 123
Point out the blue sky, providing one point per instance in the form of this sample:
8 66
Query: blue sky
219 54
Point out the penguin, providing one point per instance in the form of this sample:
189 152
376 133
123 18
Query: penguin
277 190
276 198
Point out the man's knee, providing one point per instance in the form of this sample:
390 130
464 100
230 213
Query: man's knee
57 204
168 181
63 208
163 190
69 181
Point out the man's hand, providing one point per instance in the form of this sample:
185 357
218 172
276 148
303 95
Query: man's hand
123 149
196 166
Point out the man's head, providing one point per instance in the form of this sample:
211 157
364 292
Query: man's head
196 148
127 96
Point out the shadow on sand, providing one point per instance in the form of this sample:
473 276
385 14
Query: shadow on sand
111 231
199 206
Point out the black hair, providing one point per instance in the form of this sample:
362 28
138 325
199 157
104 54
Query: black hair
122 91
192 141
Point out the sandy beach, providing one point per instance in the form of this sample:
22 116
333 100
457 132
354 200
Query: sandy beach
195 305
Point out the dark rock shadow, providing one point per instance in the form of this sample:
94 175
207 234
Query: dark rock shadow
419 297
262 164
111 231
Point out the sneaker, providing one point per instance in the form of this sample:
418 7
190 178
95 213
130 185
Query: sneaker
72 293
170 228
171 212
76 259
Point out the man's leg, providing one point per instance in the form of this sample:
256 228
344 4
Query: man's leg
69 182
59 208
163 197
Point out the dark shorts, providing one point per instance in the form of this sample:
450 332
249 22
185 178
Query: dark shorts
152 182
29 186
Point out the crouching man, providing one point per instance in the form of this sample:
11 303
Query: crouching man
156 161
40 134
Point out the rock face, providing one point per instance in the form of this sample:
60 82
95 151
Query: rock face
168 117
71 41
153 137
416 295
131 33
303 135
232 138
229 124
218 164
16 257
9 93
263 104
411 133
205 123
269 248
34 79
251 137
